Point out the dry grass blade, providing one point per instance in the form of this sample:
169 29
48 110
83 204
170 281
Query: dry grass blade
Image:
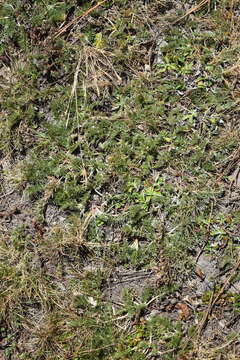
73 91
207 235
76 20
97 349
225 345
98 73
230 162
7 194
84 226
202 353
233 70
193 10
99 70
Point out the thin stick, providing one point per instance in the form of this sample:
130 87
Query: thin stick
206 316
213 300
76 20
227 282
192 10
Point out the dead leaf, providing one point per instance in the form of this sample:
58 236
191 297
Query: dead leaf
92 301
199 273
184 311
135 245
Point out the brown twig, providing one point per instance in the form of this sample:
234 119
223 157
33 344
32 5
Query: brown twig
76 20
227 282
213 300
204 321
